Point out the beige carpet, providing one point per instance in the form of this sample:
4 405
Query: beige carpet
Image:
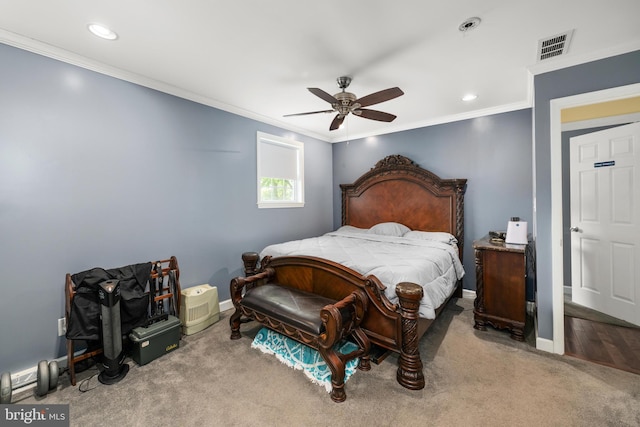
473 379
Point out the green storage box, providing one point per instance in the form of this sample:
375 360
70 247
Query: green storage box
155 340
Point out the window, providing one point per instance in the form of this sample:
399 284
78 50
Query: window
280 172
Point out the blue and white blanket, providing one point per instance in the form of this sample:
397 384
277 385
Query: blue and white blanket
301 357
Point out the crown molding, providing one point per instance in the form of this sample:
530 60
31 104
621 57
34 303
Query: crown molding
440 120
53 52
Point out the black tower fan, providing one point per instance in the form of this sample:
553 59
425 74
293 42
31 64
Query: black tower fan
112 355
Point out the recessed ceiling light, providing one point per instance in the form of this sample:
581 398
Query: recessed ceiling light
102 31
469 97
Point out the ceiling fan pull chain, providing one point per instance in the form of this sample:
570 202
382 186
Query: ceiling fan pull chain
347 128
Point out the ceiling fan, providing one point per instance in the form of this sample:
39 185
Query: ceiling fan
346 102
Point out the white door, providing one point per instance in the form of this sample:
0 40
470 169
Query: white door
605 221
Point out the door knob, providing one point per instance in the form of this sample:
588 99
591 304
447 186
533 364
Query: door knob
574 229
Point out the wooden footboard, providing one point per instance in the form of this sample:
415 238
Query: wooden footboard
394 327
312 319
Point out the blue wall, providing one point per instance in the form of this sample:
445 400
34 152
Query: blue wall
493 153
98 172
607 73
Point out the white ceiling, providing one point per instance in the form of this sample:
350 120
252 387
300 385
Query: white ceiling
257 57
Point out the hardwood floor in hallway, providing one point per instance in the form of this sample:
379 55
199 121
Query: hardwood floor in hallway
602 343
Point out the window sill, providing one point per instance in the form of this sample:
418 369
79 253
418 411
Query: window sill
270 205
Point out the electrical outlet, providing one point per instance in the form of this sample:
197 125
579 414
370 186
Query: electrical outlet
62 326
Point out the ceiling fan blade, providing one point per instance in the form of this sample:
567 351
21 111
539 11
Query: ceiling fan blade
310 112
381 116
322 94
337 121
378 97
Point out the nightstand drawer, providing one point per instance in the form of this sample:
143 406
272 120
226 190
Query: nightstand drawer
504 284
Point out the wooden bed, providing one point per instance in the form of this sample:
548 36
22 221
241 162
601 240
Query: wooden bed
395 190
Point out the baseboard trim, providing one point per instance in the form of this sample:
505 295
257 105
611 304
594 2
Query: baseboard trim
468 294
226 305
544 344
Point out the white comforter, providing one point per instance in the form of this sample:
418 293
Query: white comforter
433 265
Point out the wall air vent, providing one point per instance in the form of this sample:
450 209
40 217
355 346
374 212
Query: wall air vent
554 46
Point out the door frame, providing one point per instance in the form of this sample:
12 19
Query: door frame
557 265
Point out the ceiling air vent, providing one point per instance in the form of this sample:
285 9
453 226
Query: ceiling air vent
554 46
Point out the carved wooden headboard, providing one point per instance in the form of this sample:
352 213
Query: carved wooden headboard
397 190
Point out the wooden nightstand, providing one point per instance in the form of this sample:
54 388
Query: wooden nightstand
501 271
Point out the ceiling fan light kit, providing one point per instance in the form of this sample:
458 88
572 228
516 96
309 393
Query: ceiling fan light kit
345 102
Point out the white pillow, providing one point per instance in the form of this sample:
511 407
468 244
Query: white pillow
389 229
438 236
352 229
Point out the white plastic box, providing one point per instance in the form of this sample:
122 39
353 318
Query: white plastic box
199 308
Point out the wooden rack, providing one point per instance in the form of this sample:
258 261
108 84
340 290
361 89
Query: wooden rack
70 290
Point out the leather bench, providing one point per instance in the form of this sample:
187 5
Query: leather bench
314 320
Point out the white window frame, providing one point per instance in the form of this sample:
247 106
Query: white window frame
265 138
